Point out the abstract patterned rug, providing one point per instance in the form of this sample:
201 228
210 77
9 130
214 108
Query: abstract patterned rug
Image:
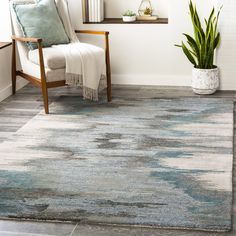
155 162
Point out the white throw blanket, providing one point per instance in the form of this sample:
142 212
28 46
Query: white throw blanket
84 62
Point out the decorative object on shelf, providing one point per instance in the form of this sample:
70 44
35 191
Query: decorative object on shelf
205 78
93 10
129 16
145 8
145 11
147 18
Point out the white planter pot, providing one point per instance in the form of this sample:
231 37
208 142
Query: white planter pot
205 81
129 18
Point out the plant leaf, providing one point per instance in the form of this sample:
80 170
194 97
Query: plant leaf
188 54
193 44
217 41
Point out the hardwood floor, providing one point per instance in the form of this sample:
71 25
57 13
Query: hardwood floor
17 110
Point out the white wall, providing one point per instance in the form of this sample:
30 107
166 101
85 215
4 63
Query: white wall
5 54
226 58
145 54
115 8
5 76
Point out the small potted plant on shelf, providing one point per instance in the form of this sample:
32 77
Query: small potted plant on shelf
147 11
129 16
201 52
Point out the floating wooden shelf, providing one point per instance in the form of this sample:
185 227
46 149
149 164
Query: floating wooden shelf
4 45
120 21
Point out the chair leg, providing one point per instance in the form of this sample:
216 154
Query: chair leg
43 78
108 68
45 99
13 69
13 83
109 96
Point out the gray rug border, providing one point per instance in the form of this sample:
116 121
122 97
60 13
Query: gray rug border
82 222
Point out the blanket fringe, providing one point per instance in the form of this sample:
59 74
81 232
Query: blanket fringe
74 80
88 93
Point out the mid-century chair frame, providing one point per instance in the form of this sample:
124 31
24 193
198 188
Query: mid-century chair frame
42 82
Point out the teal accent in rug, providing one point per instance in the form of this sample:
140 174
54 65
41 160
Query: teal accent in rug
156 162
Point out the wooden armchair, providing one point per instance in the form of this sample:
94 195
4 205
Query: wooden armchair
39 72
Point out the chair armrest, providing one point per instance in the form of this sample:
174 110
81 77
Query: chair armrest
40 52
92 32
24 39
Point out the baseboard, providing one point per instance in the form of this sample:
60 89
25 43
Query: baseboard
230 86
163 80
155 80
6 92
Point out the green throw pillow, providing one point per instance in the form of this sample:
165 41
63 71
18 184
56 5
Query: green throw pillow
41 20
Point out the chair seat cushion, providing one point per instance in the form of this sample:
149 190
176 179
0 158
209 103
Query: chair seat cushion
53 58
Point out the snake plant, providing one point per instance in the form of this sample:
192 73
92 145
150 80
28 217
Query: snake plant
201 47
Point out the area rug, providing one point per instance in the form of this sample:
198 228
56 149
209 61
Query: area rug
153 162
